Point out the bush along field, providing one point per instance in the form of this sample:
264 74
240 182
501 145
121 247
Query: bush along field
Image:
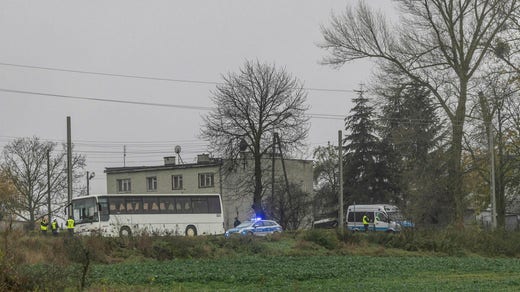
446 259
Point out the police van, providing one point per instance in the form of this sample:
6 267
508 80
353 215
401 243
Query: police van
379 216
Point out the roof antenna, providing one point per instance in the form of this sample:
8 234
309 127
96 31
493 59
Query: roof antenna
178 152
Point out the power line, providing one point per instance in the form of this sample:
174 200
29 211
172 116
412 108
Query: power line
111 74
105 100
146 77
317 116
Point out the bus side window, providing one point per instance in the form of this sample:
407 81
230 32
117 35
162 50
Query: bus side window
214 205
150 205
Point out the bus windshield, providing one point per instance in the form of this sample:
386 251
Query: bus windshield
85 210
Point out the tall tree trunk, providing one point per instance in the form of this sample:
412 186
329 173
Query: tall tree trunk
455 189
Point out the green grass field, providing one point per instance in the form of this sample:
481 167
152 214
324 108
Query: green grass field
315 260
313 273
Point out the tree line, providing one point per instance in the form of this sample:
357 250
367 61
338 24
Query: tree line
446 86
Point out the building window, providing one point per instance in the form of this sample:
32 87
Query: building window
206 180
124 185
176 182
151 184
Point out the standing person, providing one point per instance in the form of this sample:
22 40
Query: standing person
237 222
54 227
70 226
365 222
43 226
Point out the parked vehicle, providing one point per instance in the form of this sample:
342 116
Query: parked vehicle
157 214
327 223
378 215
255 227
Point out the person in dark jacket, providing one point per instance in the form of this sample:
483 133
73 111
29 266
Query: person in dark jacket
237 222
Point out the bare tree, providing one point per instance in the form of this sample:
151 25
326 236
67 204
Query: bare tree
440 44
290 207
25 163
507 45
326 181
250 106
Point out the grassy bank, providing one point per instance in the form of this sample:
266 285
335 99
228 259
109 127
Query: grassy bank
435 260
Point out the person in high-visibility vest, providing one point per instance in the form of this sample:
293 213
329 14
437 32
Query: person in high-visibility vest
54 227
70 226
43 226
365 222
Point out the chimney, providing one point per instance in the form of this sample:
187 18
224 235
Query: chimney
169 160
203 158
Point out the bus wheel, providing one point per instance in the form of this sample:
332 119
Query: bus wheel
191 231
125 231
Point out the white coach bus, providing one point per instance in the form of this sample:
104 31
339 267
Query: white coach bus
165 214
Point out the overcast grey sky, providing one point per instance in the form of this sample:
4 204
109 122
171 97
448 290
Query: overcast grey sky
194 41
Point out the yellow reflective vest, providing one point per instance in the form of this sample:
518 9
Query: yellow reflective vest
365 219
70 223
43 225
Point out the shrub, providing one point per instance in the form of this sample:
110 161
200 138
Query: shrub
326 238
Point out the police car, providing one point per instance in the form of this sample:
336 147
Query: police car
255 227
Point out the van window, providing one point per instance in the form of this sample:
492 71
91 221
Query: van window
358 216
381 217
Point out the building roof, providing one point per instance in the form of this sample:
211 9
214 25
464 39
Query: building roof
127 169
204 162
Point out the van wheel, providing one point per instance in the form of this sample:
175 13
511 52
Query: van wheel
191 231
125 231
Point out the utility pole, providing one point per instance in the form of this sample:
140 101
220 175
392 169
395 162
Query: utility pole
488 122
492 178
69 168
272 164
282 213
341 218
124 155
49 213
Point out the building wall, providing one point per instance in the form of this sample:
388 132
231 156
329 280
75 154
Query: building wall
237 185
190 177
